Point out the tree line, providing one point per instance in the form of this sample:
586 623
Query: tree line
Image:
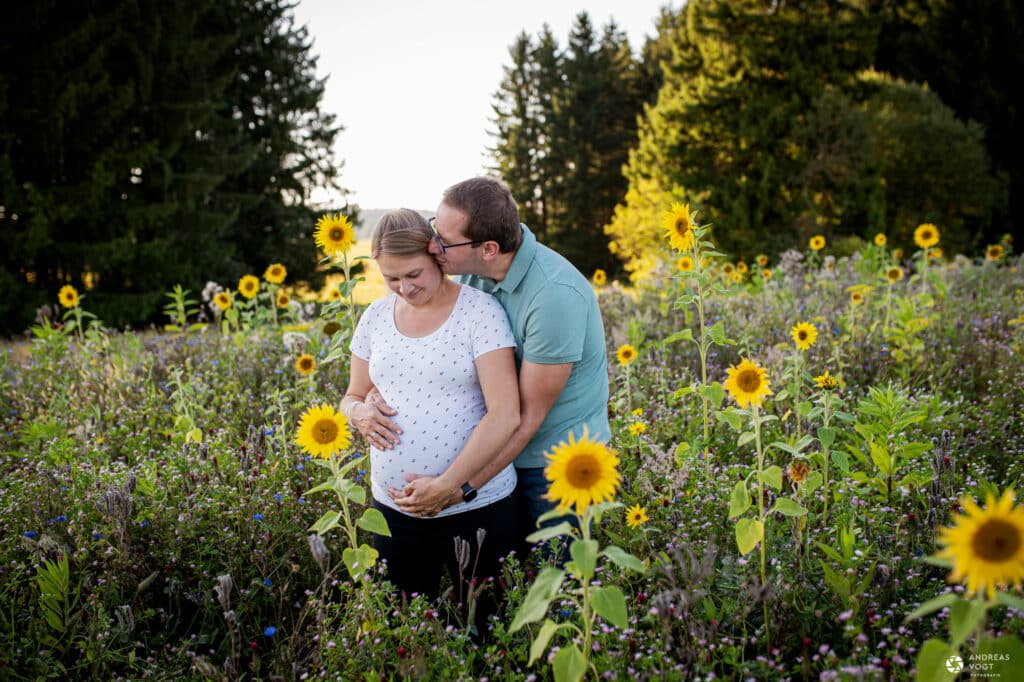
145 143
777 120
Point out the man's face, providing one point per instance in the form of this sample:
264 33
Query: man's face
463 258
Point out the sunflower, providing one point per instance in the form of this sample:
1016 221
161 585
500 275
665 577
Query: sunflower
582 473
68 296
894 274
334 295
275 273
332 328
249 286
857 297
897 254
747 383
678 224
334 234
880 239
986 546
935 254
626 354
817 242
826 381
742 268
926 235
804 334
322 431
636 516
728 269
283 299
223 300
762 260
798 470
766 274
305 364
636 428
994 252
600 277
684 264
638 412
736 277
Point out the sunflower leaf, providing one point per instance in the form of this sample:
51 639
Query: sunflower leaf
535 606
739 500
624 559
748 533
584 555
1010 601
964 617
773 476
788 507
372 520
569 664
326 523
932 662
540 642
548 532
932 605
610 604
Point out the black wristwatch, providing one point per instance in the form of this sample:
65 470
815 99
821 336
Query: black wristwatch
468 492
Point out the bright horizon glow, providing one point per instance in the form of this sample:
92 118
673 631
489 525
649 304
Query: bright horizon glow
412 84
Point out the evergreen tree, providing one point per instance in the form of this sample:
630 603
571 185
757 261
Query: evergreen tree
139 153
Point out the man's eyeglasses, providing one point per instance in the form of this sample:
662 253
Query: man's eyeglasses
444 247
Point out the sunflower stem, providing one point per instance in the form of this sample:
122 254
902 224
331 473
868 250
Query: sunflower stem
762 517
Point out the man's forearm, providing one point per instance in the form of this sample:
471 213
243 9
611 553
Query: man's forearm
515 444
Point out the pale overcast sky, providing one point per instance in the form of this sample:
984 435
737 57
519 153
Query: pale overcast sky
412 82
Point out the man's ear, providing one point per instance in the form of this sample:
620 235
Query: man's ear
490 250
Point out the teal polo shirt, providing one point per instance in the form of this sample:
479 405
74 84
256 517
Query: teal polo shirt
555 319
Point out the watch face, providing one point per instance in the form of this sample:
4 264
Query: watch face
468 492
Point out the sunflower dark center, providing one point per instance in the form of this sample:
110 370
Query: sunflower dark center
682 225
325 431
583 471
337 234
749 380
996 540
802 334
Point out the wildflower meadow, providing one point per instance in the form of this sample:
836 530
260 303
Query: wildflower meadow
812 476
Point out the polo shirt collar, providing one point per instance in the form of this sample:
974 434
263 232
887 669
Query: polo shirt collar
520 262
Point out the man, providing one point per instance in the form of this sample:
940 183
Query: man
561 356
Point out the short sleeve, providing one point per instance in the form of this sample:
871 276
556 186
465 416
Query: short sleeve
360 344
490 329
556 326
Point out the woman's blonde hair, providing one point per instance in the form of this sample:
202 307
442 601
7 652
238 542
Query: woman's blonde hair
401 232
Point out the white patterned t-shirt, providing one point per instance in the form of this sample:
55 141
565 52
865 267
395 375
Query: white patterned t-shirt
432 382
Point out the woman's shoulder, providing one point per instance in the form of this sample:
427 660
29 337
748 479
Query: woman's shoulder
478 298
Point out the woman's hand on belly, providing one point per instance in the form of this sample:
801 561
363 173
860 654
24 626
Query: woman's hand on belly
424 495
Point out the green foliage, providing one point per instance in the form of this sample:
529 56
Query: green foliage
565 120
150 144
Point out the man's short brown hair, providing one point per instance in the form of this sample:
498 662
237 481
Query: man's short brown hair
493 213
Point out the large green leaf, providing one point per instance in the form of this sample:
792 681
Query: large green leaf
535 606
938 662
749 532
610 604
373 521
540 642
739 500
624 559
569 664
584 558
788 507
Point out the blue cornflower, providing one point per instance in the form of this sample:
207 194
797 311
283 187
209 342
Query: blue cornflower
270 631
30 533
62 518
278 497
258 517
266 581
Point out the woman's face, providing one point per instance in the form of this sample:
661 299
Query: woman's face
416 279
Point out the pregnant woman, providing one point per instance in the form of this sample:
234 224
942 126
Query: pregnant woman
442 354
